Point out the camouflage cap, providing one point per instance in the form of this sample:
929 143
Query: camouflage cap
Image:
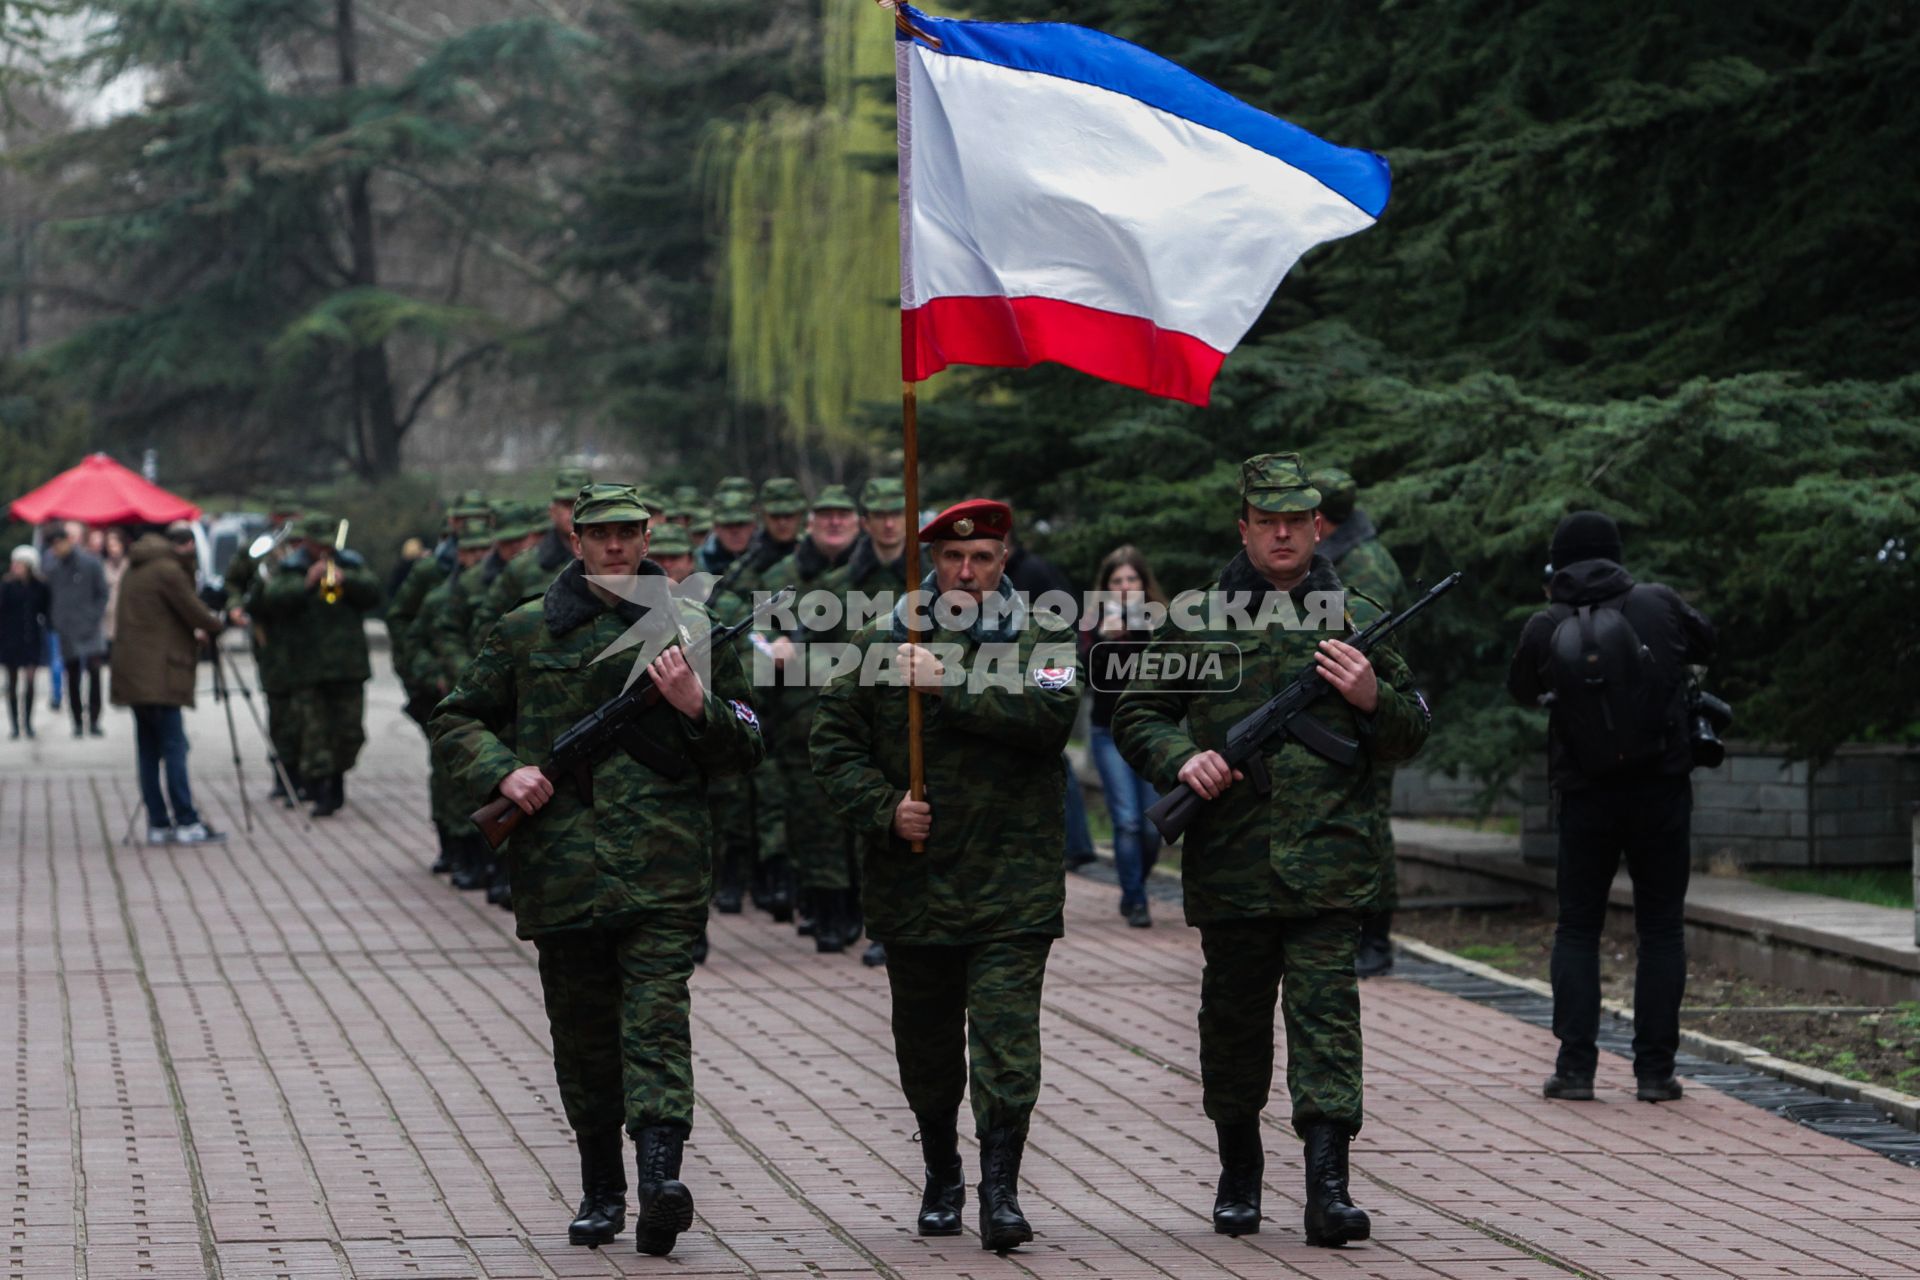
700 522
609 504
734 484
883 493
473 526
783 496
732 508
834 498
518 520
686 495
1277 482
1338 492
318 526
670 540
470 498
568 482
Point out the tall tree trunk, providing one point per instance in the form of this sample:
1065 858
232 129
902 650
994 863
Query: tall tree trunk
376 424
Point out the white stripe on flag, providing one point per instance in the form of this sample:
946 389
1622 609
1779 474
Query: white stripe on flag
1029 185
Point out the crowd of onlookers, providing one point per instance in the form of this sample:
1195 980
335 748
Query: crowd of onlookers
57 611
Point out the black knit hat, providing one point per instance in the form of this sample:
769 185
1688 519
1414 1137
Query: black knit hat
1585 535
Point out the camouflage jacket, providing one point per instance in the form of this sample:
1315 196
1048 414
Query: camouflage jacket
422 673
641 842
992 865
245 585
863 573
1311 844
523 578
1364 564
427 572
447 620
474 615
805 570
320 643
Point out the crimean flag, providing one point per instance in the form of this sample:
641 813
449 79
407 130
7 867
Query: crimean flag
1067 196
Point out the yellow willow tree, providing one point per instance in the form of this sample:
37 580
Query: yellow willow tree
809 204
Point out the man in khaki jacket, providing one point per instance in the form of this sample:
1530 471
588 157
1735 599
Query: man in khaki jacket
158 622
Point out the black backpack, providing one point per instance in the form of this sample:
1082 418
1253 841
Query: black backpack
1614 703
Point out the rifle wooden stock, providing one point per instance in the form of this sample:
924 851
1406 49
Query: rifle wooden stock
498 819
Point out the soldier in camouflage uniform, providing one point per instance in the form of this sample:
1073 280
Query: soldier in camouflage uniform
516 527
244 579
968 922
1276 882
874 576
736 819
528 572
434 671
821 848
782 505
316 607
1349 539
611 884
425 573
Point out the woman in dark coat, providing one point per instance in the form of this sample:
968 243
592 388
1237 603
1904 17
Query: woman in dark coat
24 601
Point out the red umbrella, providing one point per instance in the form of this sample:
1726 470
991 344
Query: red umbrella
101 491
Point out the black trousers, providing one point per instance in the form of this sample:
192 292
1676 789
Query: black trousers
89 667
1647 823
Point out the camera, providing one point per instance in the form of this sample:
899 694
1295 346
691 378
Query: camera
1707 718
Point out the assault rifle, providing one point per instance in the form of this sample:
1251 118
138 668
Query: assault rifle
612 726
1286 713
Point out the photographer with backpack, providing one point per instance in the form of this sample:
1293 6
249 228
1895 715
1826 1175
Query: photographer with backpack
1609 657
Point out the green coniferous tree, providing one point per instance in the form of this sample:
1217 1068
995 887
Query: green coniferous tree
232 238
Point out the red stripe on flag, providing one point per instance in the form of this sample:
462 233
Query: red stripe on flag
1022 332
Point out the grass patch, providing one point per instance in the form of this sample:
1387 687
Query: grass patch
1880 886
1498 954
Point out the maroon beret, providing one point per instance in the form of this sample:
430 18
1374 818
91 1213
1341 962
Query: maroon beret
974 518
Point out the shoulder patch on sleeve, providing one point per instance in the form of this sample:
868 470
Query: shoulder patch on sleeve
1053 677
744 713
1420 700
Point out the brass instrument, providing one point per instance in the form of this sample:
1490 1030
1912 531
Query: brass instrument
330 589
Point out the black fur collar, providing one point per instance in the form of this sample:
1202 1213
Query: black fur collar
865 560
763 552
1354 530
811 562
570 602
1239 575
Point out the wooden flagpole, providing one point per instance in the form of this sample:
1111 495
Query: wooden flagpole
910 429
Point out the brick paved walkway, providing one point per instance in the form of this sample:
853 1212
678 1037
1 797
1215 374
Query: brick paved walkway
300 1055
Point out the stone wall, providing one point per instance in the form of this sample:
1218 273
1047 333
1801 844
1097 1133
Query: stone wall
1420 793
1760 810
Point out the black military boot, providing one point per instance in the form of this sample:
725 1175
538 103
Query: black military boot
279 791
603 1191
1243 1161
1373 956
805 912
1332 1219
829 921
727 889
946 1190
700 947
326 795
470 869
1002 1225
779 889
500 888
445 861
299 788
666 1206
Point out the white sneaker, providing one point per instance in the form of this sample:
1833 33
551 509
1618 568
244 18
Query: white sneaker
198 833
159 835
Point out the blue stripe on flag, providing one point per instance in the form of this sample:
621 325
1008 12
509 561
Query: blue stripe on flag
1108 62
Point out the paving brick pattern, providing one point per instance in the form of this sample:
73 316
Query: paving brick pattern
298 1055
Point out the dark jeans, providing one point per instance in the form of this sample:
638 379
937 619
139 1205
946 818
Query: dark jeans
159 734
1647 822
1079 838
89 668
1128 796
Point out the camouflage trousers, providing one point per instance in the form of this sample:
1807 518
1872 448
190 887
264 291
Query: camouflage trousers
970 1011
1307 962
818 842
767 787
332 726
730 801
1390 880
283 729
617 1010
